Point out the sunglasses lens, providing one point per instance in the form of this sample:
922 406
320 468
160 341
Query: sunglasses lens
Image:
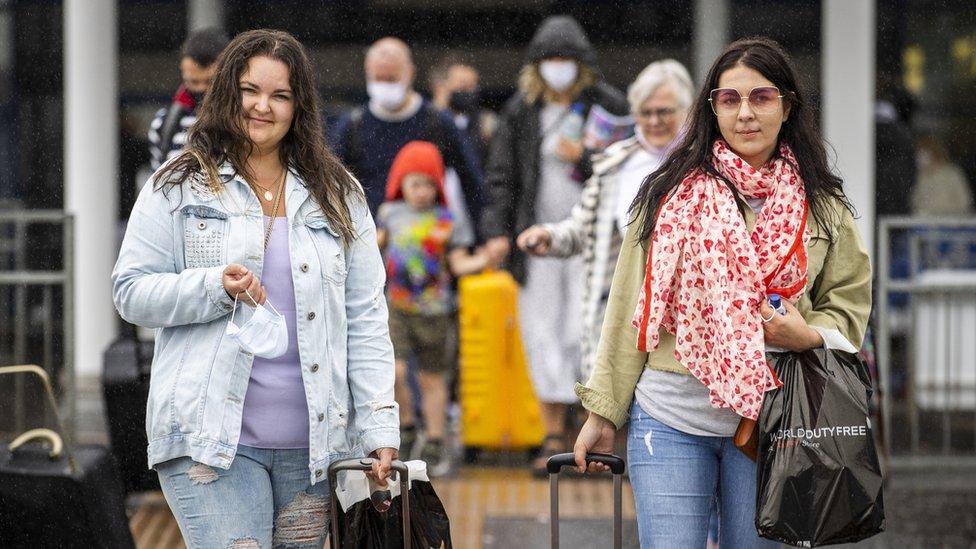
763 100
725 101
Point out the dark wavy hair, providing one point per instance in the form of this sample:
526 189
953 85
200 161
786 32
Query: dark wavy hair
220 135
694 152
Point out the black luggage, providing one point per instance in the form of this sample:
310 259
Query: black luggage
125 385
556 463
368 535
56 497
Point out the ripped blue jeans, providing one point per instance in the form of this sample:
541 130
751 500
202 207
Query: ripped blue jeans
677 480
264 500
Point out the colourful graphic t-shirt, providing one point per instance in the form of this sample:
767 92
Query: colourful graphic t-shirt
418 241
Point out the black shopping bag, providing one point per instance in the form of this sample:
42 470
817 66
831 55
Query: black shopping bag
819 479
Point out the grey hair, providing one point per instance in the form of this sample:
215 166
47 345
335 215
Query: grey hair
657 74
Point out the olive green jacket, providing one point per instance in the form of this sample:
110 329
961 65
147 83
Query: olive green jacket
838 297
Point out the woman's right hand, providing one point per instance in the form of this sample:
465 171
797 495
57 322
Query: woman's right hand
596 436
535 240
237 279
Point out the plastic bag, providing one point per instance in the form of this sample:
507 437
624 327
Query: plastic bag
363 527
819 480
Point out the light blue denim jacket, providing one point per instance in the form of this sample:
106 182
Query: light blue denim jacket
168 276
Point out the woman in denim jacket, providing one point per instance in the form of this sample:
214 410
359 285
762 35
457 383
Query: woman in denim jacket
254 255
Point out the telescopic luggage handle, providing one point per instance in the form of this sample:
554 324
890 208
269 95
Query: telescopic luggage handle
555 465
365 464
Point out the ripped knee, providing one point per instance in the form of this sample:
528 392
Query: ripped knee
244 543
201 474
303 521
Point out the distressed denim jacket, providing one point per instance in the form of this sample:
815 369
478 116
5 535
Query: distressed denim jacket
168 277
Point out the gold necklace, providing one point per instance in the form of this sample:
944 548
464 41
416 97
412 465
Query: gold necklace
274 212
268 195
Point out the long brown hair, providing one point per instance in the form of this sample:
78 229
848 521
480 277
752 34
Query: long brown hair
219 134
799 131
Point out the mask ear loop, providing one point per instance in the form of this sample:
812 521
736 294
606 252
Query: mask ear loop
234 310
266 302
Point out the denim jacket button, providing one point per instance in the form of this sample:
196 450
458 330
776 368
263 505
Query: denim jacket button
318 473
315 368
304 267
321 417
202 225
311 316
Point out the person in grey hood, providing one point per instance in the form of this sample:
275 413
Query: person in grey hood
538 162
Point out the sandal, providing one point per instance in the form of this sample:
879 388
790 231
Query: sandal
551 445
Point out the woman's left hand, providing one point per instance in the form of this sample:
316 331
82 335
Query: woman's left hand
569 151
788 331
382 457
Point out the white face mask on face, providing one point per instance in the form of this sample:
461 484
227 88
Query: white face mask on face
264 335
559 74
389 95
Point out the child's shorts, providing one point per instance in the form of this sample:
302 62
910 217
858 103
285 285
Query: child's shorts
425 336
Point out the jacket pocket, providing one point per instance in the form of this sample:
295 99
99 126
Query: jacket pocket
329 248
204 236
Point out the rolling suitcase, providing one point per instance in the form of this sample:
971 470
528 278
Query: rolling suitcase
58 497
499 410
125 387
364 464
555 465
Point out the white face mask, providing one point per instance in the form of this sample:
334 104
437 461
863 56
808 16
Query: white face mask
559 75
264 335
389 95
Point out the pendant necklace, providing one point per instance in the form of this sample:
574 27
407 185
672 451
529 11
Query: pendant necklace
268 196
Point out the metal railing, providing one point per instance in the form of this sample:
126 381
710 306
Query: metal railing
926 340
36 309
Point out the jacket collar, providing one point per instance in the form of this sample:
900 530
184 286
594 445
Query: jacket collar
296 190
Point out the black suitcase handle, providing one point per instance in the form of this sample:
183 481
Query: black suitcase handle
365 464
558 461
555 464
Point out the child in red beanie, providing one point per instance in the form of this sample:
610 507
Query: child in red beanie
424 247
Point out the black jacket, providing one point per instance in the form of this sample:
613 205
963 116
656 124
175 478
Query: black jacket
512 173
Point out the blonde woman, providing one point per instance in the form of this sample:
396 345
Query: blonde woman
535 174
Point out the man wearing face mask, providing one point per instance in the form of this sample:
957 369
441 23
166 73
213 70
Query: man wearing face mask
535 174
454 89
368 138
169 128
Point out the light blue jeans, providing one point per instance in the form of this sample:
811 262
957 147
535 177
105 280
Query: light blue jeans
677 480
264 500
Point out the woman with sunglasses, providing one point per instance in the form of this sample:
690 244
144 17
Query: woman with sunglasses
746 206
254 255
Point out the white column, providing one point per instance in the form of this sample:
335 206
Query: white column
847 52
91 178
202 14
711 34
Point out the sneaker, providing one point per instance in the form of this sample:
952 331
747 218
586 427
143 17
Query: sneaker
435 455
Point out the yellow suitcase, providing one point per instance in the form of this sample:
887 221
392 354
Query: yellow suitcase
499 410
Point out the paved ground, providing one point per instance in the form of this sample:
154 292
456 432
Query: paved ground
490 506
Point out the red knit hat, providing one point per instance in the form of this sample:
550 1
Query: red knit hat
416 157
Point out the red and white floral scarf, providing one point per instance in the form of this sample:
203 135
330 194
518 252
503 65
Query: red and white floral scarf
707 274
